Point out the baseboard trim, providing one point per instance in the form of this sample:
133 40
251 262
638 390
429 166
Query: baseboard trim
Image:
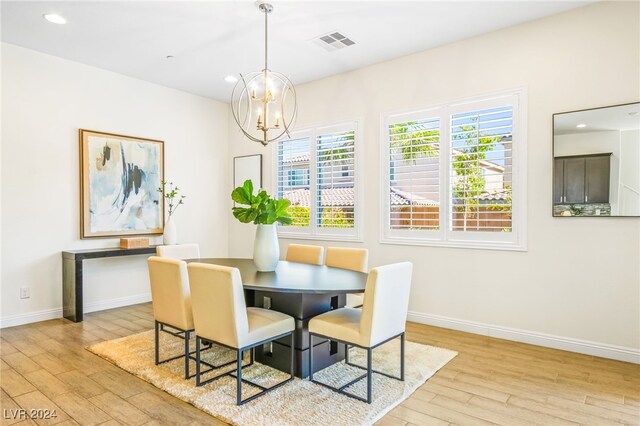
49 314
102 305
29 317
586 347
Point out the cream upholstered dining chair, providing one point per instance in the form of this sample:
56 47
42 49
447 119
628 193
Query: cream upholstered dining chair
354 259
305 254
179 251
381 319
221 316
171 301
171 304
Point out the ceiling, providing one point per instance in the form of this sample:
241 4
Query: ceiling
212 39
620 118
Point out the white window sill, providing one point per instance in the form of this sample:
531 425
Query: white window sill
481 245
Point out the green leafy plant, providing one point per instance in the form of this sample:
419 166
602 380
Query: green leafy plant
172 195
300 215
335 217
575 211
470 182
413 140
262 209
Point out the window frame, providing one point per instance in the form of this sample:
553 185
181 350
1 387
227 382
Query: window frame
444 237
314 232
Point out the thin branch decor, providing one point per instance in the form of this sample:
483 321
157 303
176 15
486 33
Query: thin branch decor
172 196
173 200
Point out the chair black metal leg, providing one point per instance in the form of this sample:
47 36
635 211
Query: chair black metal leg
186 355
157 341
239 378
369 374
402 357
369 370
197 360
310 356
237 372
292 349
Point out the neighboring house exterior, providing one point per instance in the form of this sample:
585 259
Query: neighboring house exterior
336 202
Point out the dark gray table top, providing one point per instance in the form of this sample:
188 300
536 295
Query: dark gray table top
292 277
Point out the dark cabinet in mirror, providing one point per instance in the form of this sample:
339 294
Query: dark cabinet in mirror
596 167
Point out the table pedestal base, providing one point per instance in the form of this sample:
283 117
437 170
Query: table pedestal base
302 307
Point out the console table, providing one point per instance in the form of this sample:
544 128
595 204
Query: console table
72 262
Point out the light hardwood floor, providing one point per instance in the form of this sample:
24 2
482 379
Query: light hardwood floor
491 381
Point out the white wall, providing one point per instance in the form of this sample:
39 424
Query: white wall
580 278
45 100
586 143
629 191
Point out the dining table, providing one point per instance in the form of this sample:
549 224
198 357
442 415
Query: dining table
302 291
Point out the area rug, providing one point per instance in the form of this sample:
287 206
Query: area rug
297 402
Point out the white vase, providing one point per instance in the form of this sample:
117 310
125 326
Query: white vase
170 235
266 251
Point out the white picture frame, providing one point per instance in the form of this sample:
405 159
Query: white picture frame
247 167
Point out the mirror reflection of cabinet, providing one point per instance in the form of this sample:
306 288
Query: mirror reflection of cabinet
596 165
582 179
597 175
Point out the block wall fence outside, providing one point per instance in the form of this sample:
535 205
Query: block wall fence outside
577 286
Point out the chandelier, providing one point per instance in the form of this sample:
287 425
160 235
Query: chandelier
263 103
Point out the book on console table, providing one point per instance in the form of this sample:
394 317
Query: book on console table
130 243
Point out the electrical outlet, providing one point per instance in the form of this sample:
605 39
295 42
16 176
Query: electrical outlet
24 293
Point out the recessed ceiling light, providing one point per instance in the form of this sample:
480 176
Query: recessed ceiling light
169 56
581 126
231 79
634 113
56 19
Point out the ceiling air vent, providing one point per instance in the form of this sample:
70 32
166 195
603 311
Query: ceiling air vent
333 41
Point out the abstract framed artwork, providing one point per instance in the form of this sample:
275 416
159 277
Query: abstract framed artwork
119 181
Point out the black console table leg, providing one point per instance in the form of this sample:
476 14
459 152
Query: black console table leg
72 289
72 275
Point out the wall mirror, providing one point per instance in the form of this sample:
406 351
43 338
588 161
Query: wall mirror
596 162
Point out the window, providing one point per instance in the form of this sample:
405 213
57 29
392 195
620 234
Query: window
455 174
298 177
317 171
294 155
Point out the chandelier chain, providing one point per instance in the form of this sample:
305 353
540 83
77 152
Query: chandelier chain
266 37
